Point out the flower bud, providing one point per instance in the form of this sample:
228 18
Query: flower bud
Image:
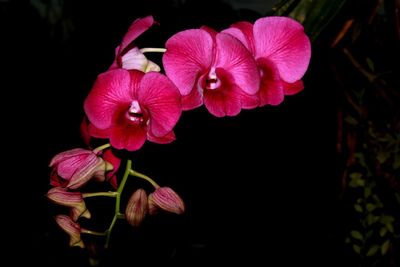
165 198
76 167
136 209
72 229
70 199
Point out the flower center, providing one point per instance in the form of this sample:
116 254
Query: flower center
212 81
135 113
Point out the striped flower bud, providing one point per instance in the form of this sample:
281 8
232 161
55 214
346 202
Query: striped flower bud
70 199
166 199
136 209
72 229
75 167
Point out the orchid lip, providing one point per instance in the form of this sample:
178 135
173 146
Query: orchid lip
135 113
212 81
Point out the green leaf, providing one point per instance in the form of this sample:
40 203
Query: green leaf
386 219
385 247
357 235
361 159
357 249
383 231
351 120
371 219
390 228
382 156
358 208
372 250
348 240
370 207
370 64
316 15
355 175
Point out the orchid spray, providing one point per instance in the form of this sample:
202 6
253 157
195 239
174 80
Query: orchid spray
242 67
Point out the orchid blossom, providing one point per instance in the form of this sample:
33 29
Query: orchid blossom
130 107
211 68
282 51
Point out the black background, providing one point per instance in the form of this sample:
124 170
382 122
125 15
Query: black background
259 188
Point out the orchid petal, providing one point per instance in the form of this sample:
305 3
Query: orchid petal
225 100
293 88
189 53
129 137
115 161
233 56
166 139
271 88
162 100
193 100
110 90
243 31
137 27
283 41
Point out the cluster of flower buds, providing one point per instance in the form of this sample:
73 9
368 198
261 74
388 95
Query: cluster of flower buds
73 169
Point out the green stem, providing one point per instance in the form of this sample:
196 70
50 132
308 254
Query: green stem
145 177
121 186
100 148
151 49
103 194
109 231
90 232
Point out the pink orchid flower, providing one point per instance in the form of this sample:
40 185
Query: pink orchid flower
130 57
282 51
211 68
75 167
131 106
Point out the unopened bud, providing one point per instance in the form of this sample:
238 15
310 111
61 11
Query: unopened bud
72 229
165 198
136 209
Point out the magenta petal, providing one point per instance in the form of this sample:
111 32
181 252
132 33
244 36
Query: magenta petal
166 139
249 101
293 88
271 93
137 27
162 100
283 41
130 137
243 31
110 89
192 100
109 156
98 133
271 88
189 53
233 56
225 100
